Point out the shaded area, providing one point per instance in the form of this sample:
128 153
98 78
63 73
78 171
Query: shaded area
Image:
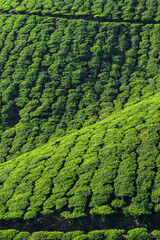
82 17
86 224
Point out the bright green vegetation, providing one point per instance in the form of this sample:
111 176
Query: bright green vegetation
79 114
112 234
110 165
135 234
76 235
144 10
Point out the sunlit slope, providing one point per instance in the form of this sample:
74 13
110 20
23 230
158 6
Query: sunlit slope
58 75
111 165
145 10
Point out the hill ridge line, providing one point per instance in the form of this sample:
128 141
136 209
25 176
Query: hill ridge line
82 17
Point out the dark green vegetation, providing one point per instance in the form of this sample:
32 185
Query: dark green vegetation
58 76
79 115
144 10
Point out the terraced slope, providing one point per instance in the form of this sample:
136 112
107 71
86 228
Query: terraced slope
110 166
79 119
59 75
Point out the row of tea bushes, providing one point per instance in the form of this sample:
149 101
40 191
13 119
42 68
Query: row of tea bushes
125 10
114 234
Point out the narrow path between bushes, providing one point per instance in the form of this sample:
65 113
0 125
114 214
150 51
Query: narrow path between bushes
82 17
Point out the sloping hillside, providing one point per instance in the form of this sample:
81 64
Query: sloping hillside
108 167
79 119
60 75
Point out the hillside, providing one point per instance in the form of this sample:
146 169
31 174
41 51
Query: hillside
77 166
60 75
79 118
111 166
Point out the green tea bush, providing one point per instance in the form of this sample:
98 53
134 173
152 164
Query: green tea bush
71 235
155 234
55 235
8 234
22 236
138 233
39 235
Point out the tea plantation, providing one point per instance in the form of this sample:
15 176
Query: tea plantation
79 119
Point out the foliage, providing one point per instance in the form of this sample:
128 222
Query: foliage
138 234
84 170
79 113
126 9
58 76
